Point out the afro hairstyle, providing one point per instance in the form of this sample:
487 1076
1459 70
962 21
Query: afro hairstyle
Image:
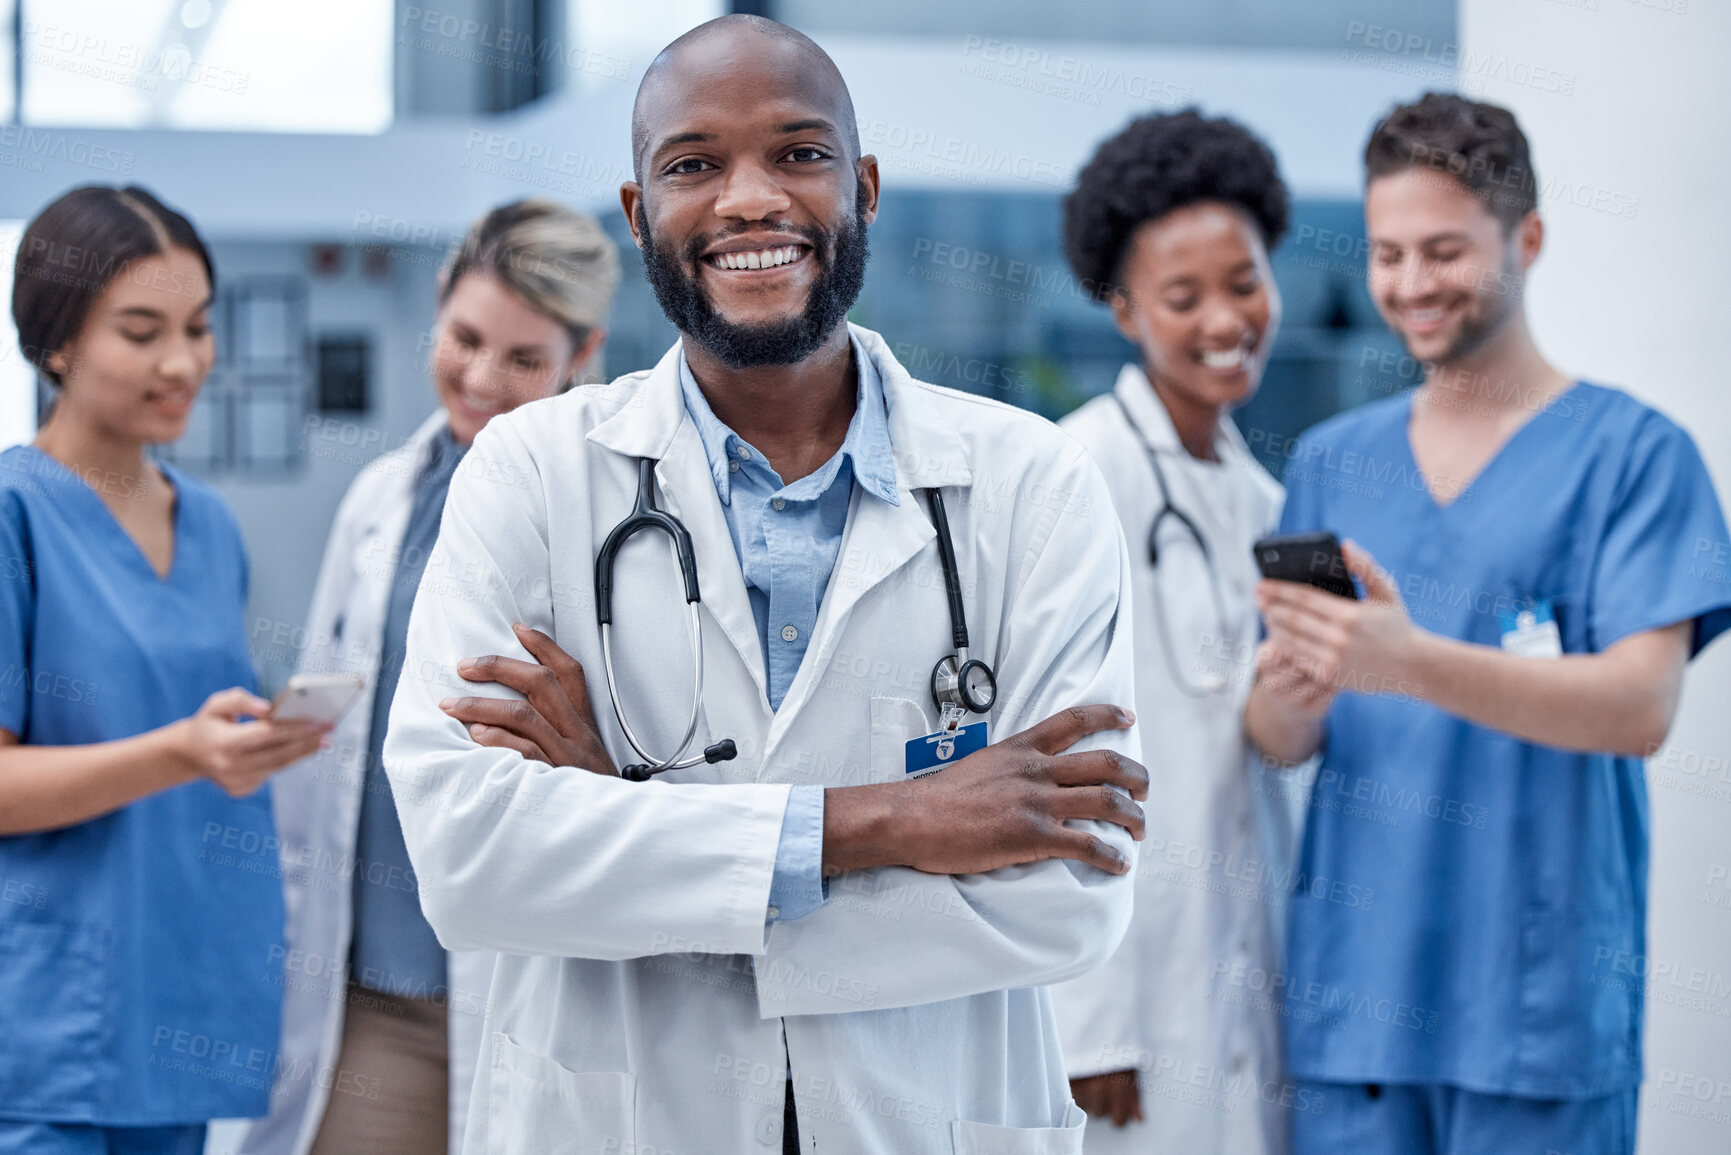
1157 164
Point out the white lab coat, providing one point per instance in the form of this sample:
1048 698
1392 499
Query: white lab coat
318 806
1208 886
642 1002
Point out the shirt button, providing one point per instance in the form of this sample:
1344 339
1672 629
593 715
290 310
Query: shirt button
789 633
744 453
733 467
778 503
769 1130
773 912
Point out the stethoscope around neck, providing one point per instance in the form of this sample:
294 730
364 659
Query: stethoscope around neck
1210 683
959 685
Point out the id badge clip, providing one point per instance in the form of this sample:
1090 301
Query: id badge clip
953 742
1531 631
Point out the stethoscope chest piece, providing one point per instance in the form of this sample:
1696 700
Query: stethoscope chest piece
965 683
959 685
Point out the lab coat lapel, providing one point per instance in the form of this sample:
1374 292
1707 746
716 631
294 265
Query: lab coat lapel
880 538
653 423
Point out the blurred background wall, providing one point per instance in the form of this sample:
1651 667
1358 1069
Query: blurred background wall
333 150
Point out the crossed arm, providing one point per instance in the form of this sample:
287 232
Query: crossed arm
1002 806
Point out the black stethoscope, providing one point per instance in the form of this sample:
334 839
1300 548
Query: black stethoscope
959 685
1211 684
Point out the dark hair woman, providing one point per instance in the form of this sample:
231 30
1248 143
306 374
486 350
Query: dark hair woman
140 939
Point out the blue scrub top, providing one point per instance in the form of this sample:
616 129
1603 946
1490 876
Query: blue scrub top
1470 909
140 952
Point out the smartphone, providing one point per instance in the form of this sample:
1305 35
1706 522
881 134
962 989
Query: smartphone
321 698
1311 558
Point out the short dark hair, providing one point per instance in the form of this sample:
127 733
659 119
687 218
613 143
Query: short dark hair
1157 164
74 248
1479 145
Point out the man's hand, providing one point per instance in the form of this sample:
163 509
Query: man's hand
555 724
1110 1096
1001 806
1336 642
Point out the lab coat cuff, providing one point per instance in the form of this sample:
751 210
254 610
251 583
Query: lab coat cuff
797 887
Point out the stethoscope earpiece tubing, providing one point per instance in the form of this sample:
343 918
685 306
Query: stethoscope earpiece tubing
952 573
1162 625
645 516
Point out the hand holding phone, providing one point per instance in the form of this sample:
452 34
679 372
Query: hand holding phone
1312 559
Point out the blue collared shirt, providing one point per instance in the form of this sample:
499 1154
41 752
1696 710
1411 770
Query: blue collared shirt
788 537
393 948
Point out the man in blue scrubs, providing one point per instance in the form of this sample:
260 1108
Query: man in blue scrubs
1523 539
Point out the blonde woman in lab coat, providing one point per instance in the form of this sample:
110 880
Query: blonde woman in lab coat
381 1025
1175 215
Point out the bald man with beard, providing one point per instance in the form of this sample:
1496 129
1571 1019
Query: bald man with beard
815 945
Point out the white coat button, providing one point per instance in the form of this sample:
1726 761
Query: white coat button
778 503
773 912
789 633
769 1130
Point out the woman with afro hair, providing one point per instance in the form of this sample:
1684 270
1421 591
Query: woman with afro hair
1170 1046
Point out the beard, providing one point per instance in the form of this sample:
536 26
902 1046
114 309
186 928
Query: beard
1486 316
841 259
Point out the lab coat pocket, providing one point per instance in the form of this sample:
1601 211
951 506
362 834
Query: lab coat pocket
991 1139
894 722
54 985
535 1106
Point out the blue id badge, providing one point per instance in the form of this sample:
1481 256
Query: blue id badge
935 751
1531 631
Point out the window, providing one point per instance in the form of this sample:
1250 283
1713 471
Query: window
311 66
1314 25
251 412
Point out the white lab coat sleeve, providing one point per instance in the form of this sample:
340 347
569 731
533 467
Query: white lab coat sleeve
518 856
895 937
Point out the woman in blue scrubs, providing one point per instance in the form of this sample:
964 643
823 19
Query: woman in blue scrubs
1471 902
140 934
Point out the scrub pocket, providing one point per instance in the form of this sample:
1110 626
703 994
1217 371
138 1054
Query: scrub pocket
535 1106
991 1139
894 722
1579 991
54 986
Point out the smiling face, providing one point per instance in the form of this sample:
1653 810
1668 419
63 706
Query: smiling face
137 364
752 211
1444 272
1199 302
493 351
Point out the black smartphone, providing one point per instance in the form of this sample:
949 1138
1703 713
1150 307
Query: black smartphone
1312 558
